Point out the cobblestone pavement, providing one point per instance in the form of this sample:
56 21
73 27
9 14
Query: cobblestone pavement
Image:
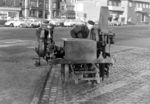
128 82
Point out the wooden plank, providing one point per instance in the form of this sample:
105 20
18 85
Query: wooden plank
92 78
84 72
64 61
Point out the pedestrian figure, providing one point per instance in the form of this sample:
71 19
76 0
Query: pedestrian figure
92 34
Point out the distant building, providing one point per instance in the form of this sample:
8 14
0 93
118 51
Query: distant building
123 11
41 9
130 11
80 9
67 9
9 9
88 9
28 8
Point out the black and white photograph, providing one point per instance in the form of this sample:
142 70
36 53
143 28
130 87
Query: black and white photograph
74 51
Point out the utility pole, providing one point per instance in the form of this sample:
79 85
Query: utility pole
50 9
26 8
37 5
44 8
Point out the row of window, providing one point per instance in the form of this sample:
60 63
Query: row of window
142 5
114 3
33 3
8 3
67 7
34 13
40 4
137 4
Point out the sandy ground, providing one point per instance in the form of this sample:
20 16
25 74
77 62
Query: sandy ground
18 75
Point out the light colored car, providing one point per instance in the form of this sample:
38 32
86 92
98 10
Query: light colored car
56 22
10 23
114 23
33 22
69 23
22 23
19 23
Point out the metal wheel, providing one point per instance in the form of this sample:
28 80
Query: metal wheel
11 25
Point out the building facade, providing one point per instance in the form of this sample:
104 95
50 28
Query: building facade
67 9
130 11
9 9
29 8
123 11
89 9
42 8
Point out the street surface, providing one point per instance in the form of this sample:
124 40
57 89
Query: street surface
128 83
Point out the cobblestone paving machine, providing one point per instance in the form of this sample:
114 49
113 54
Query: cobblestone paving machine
80 59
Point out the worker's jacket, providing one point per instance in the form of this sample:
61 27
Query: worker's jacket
79 32
82 31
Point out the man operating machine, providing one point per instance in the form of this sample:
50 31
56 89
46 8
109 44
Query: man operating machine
98 36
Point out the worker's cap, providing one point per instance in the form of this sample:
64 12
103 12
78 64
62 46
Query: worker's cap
91 22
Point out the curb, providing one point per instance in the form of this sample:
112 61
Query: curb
38 92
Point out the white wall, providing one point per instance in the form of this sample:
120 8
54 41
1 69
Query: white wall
125 5
90 7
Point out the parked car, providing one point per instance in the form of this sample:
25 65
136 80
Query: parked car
22 23
114 23
69 23
10 23
19 23
33 23
57 22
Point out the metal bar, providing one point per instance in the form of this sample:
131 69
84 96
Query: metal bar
64 61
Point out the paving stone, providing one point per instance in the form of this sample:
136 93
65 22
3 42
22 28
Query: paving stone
128 81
